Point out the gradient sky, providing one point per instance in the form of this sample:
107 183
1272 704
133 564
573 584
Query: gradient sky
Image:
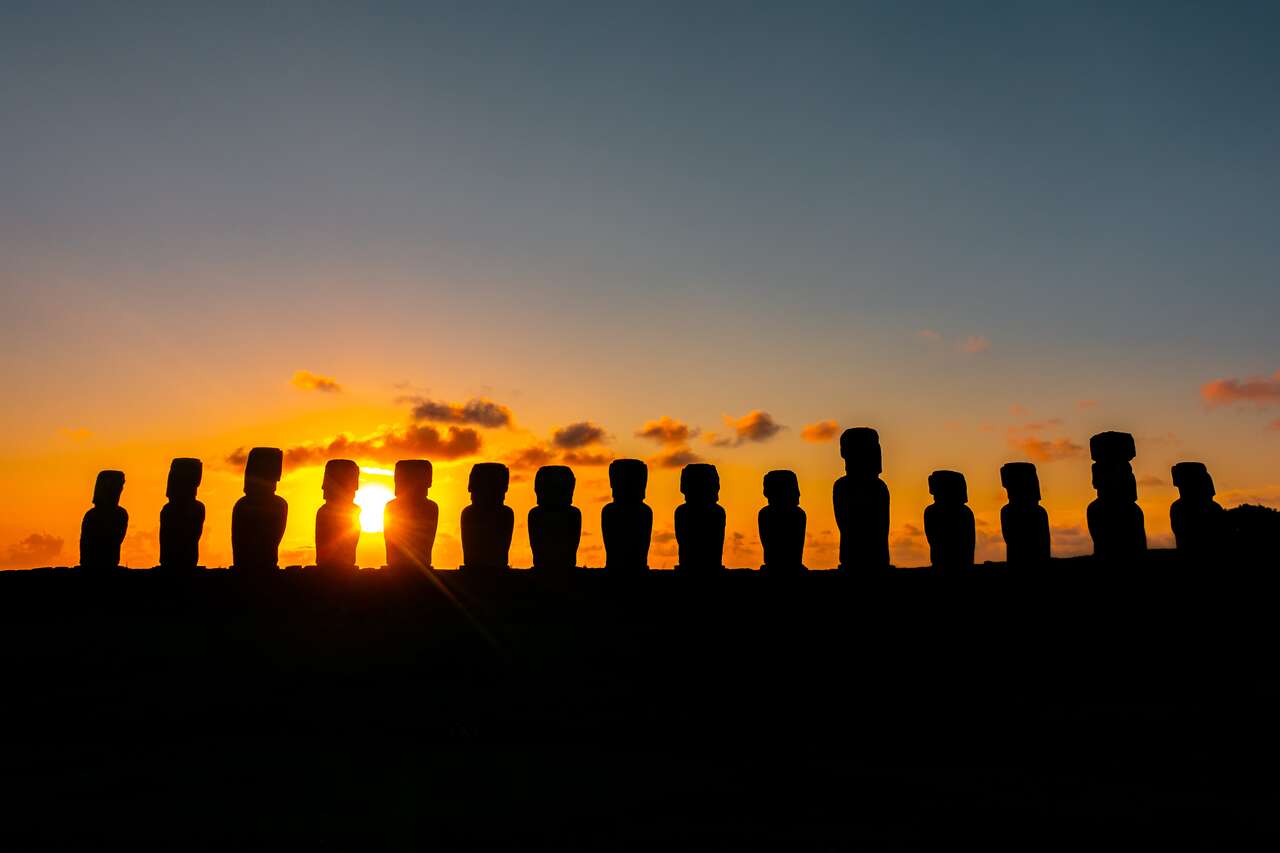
988 230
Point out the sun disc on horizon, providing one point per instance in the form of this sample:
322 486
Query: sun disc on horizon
372 499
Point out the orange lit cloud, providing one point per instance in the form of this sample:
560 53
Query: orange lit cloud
475 412
1042 450
975 344
676 457
385 447
585 458
928 335
533 456
820 431
755 426
38 549
308 381
1087 404
1274 425
666 430
1260 390
578 435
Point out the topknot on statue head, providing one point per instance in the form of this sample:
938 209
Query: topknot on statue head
553 485
628 478
1112 447
1021 481
413 478
781 488
948 487
700 483
107 488
1192 480
185 474
860 449
341 480
488 482
262 469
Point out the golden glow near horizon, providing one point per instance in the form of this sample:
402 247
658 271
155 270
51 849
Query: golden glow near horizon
371 499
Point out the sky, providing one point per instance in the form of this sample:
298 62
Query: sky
460 230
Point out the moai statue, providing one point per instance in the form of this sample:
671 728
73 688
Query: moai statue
182 518
102 531
258 519
338 519
1115 519
1197 519
862 502
1023 522
626 524
782 524
555 524
409 521
487 523
700 521
948 522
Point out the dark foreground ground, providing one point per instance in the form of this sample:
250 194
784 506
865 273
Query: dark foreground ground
1074 705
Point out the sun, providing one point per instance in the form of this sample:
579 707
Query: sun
371 499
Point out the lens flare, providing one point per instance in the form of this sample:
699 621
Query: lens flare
371 499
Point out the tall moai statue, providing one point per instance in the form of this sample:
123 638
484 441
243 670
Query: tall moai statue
782 524
626 523
862 502
487 523
1198 520
555 524
1023 522
409 521
700 522
104 526
182 518
338 519
948 522
258 519
1115 519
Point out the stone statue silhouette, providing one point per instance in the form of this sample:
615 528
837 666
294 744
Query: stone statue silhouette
555 524
1198 520
861 502
948 522
700 521
338 519
105 524
626 523
1115 520
487 523
182 518
1023 522
409 521
782 524
258 519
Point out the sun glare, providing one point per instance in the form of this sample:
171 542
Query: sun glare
371 499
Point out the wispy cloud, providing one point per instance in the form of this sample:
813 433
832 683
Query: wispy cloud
385 447
37 549
578 435
308 381
666 430
820 431
1046 450
974 344
754 426
1259 390
477 411
676 457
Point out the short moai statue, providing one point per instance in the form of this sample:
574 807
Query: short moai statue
700 522
555 524
409 521
948 522
1115 520
1198 520
1023 522
626 523
259 518
182 518
338 519
861 502
782 524
104 526
487 523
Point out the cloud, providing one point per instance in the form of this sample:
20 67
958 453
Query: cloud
1042 450
1274 425
676 457
38 549
1018 411
476 412
1151 480
1086 404
308 381
1259 390
755 426
820 431
928 335
974 344
666 430
578 435
533 456
585 458
386 447
75 433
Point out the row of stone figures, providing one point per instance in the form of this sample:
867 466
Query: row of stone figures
861 501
